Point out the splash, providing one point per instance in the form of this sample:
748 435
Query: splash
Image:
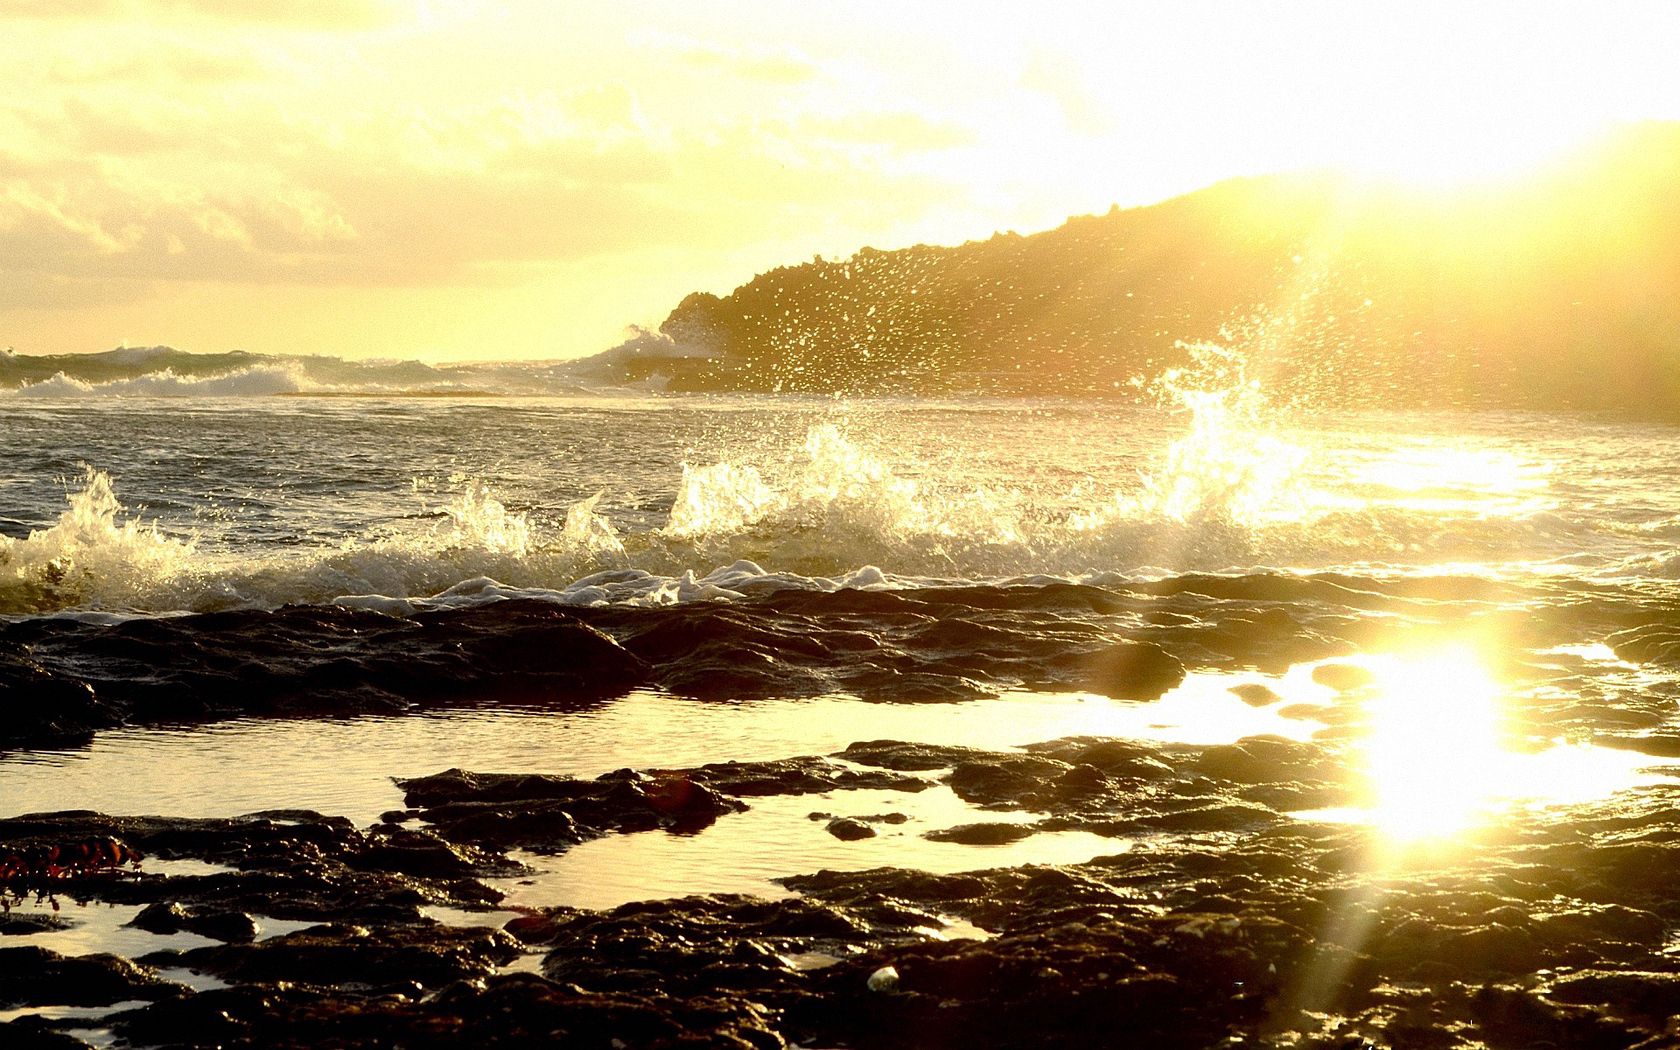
1229 467
588 531
91 558
841 476
479 521
840 495
719 499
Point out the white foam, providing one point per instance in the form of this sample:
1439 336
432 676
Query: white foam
260 381
91 558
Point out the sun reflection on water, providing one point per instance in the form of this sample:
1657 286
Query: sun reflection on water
1433 750
1442 754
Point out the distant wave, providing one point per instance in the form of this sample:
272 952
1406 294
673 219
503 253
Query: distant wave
249 382
162 371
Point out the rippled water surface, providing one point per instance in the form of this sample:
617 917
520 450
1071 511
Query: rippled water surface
268 500
1505 583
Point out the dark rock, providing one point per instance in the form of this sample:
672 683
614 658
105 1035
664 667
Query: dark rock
1256 695
847 830
72 678
429 956
44 707
33 976
171 917
1132 671
160 918
1007 779
29 923
1343 678
1639 994
990 833
553 813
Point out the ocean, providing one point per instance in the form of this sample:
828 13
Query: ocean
289 601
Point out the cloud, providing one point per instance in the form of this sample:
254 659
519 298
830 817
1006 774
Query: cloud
160 63
300 14
1080 104
901 131
775 65
157 155
165 190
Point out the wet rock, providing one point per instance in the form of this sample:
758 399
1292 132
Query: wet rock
300 660
1256 695
292 865
906 757
1115 758
801 776
847 829
162 917
33 1032
516 1010
989 833
1132 671
1266 759
29 923
1211 926
1003 779
427 955
44 707
219 925
554 813
1638 994
34 976
1658 744
1343 678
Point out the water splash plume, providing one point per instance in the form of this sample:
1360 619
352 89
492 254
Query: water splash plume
1230 466
91 558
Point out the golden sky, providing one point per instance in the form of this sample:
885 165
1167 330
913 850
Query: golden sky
523 178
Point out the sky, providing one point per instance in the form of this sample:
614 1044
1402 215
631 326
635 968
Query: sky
454 179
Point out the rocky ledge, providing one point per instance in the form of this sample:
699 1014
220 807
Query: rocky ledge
1218 918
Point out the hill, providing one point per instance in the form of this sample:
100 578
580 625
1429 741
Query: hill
1560 292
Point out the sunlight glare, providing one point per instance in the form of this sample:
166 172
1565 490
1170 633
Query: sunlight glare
1450 480
1435 760
1434 729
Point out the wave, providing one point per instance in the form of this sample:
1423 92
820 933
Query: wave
1232 493
262 381
839 516
162 371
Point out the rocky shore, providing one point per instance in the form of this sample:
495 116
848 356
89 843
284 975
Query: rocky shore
1220 918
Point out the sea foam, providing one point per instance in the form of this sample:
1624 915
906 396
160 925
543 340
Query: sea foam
264 381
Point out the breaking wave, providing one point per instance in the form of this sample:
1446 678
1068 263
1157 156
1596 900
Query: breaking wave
162 371
264 381
1211 482
840 516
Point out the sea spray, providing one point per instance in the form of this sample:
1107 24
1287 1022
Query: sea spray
1230 466
91 558
588 531
719 499
479 521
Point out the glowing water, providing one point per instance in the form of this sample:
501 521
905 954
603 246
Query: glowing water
243 507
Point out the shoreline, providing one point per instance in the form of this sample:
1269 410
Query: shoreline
1213 918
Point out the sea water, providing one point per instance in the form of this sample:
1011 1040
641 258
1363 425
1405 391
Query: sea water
115 506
